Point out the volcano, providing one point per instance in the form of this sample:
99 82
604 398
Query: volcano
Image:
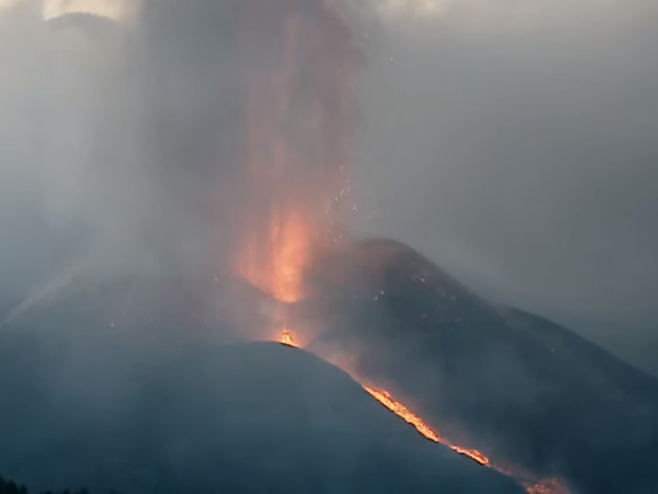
146 384
94 396
149 383
521 389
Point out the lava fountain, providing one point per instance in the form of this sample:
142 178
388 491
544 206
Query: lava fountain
300 118
288 338
300 115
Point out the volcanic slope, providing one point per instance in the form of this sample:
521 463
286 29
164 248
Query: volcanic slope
524 391
94 404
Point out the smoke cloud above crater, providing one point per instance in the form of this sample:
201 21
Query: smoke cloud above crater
510 141
208 142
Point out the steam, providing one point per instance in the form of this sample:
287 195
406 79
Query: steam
120 143
78 120
132 145
485 116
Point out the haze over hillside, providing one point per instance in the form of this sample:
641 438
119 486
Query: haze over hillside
182 179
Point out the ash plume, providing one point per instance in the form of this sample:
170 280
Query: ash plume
165 182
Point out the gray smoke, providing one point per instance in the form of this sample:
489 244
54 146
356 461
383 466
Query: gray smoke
112 135
513 143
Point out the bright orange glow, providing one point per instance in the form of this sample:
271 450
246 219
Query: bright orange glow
275 264
401 411
277 237
288 338
408 416
300 115
300 65
531 484
473 454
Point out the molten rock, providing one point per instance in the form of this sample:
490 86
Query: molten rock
529 394
116 405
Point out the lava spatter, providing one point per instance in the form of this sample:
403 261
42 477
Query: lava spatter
288 338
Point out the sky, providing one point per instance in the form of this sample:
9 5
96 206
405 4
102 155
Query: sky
511 141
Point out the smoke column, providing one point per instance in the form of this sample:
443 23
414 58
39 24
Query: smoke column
300 63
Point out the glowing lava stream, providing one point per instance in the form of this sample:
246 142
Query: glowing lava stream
300 62
543 486
405 414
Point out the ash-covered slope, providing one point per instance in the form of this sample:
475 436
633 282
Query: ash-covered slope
518 388
87 403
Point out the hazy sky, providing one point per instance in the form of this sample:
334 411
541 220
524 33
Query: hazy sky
514 142
511 141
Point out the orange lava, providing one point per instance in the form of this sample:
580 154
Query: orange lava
473 454
300 64
403 412
531 484
385 398
288 338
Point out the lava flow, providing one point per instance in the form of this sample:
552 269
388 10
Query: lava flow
300 64
531 484
385 398
404 413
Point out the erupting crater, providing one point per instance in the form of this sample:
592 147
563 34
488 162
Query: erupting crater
301 62
288 338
